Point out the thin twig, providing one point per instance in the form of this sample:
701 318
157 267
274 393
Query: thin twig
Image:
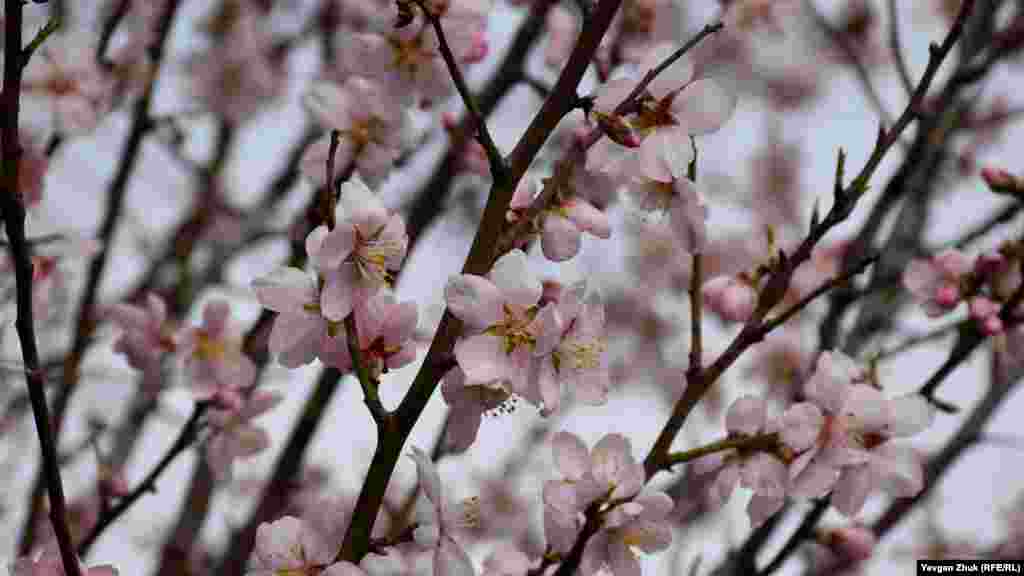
184 440
494 158
696 318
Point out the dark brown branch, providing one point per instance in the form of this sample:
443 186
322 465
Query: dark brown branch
392 435
13 203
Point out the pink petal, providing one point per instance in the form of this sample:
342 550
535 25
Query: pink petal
746 415
851 490
801 426
474 300
286 290
483 358
512 276
561 238
704 106
571 457
588 218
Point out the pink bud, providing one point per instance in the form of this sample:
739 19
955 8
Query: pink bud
947 296
449 120
854 542
992 326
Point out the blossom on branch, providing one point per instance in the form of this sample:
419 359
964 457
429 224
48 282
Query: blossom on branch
370 123
851 455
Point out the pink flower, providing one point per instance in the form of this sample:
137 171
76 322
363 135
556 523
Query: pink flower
608 472
759 471
385 329
300 332
679 108
218 367
731 297
502 309
679 200
357 258
405 61
234 436
238 75
936 281
370 121
851 456
640 523
572 349
435 522
146 336
291 546
80 92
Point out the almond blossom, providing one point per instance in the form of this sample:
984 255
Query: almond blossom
234 435
680 107
851 455
501 312
385 329
358 257
370 122
608 472
218 369
147 336
572 350
758 470
437 521
405 61
679 201
640 523
238 76
300 332
80 92
290 546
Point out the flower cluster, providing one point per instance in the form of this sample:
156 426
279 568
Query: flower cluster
987 282
611 479
836 441
352 269
523 343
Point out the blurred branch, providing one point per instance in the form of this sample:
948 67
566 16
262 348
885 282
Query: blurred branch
86 320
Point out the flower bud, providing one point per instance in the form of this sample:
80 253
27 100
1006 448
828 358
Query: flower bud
854 542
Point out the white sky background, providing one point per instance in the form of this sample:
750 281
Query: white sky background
972 495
